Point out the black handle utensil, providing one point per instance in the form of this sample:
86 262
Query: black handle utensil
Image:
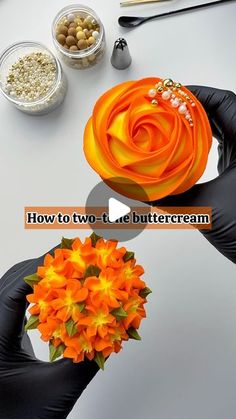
134 21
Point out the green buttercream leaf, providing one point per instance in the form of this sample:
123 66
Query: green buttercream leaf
100 360
133 334
81 306
56 352
32 323
94 238
92 270
71 328
67 243
119 313
32 280
128 256
145 292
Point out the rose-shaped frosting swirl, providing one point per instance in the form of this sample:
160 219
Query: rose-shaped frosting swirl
153 132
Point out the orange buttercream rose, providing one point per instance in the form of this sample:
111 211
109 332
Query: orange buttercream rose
153 133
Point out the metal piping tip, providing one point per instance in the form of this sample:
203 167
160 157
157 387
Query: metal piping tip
121 57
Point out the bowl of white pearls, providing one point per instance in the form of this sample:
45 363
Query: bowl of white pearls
31 78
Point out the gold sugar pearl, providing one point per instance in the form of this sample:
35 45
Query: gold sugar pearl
72 31
80 35
70 40
82 44
92 58
84 25
178 85
154 102
78 20
72 25
74 48
85 62
91 40
61 39
63 30
65 22
168 83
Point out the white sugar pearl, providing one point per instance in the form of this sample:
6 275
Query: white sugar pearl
193 104
182 109
95 34
152 93
166 95
71 17
175 103
188 116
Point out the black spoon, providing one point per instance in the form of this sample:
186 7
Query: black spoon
132 21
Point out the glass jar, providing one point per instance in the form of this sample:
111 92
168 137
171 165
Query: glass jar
91 24
44 103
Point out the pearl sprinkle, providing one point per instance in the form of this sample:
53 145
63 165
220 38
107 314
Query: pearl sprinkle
172 92
152 93
183 109
166 95
31 77
175 103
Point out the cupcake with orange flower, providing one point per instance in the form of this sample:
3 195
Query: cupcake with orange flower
148 137
87 299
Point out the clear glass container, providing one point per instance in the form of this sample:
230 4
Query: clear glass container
45 103
89 56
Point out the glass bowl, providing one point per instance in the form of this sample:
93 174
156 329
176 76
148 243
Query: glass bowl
89 56
45 103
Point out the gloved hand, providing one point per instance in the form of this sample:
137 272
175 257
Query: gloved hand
32 389
220 193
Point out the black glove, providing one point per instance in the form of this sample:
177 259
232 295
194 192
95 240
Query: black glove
220 193
32 389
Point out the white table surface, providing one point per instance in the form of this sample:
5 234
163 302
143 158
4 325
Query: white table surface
185 366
